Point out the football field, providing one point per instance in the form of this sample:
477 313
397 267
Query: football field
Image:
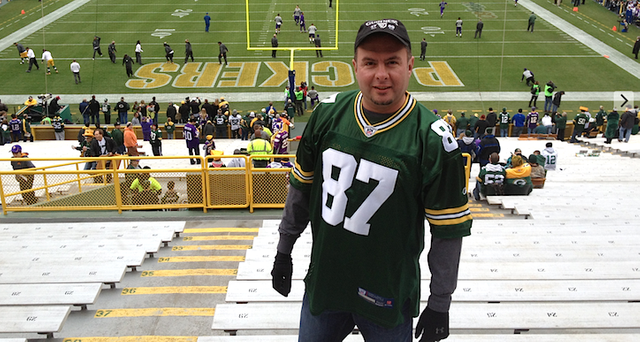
578 51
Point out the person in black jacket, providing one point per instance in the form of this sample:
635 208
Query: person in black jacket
208 107
636 47
171 112
156 109
96 47
195 106
627 121
184 112
102 146
188 52
54 107
168 52
94 109
122 108
111 49
128 63
489 144
480 127
492 119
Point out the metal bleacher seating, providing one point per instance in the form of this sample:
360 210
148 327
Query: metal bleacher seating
47 269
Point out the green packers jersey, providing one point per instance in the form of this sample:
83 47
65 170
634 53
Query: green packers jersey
490 174
370 187
579 121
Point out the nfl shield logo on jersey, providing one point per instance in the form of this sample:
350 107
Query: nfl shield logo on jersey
369 131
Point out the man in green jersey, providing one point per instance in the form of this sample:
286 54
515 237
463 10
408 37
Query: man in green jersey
578 125
370 167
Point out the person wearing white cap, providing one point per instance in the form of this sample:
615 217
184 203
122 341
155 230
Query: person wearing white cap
365 156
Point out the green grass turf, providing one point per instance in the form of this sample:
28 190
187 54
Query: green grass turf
493 63
12 20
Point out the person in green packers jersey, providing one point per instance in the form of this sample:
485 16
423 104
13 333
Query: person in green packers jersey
370 167
578 125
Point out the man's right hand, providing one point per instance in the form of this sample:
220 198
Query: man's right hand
281 273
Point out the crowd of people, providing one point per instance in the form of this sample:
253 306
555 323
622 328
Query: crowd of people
517 175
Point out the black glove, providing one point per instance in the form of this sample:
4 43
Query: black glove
281 273
435 326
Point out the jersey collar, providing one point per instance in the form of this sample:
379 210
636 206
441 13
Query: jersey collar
369 129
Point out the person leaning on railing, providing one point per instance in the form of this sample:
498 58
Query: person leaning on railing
25 181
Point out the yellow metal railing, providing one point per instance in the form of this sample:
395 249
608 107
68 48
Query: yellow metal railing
216 182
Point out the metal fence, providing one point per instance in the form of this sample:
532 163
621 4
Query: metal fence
118 183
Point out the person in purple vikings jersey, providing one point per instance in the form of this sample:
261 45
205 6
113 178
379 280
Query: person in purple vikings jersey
532 120
280 142
191 136
443 4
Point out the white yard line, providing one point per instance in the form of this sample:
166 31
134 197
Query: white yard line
40 23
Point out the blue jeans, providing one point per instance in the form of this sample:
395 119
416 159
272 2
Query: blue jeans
531 130
459 131
90 165
85 117
122 118
548 103
332 326
504 132
555 108
624 133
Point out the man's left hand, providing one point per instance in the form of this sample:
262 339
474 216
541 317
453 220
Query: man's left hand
432 325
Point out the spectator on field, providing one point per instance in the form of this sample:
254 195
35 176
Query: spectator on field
490 180
528 75
462 124
472 121
313 96
557 99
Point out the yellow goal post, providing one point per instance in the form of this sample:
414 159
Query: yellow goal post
291 49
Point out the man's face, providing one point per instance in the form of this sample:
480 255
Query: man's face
98 135
383 68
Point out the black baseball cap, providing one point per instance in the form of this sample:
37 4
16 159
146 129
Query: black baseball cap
393 27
